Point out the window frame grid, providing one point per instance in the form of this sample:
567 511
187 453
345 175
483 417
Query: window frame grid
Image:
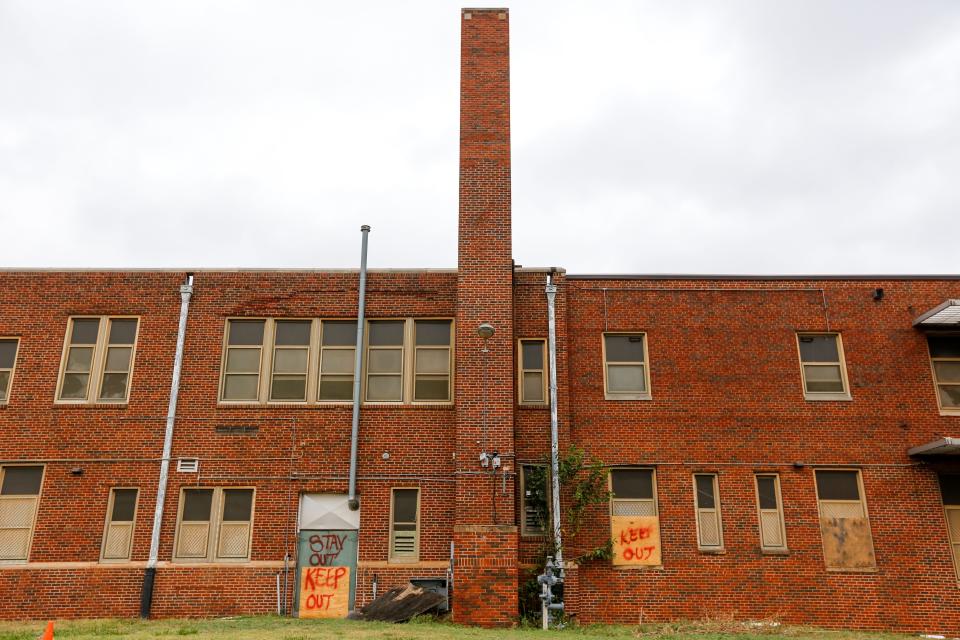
415 556
264 363
451 363
521 370
715 478
217 503
524 530
944 411
784 548
109 520
607 394
842 363
404 365
97 360
613 498
319 362
863 506
310 348
36 509
12 370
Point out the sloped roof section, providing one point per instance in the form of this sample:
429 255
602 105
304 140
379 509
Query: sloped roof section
946 315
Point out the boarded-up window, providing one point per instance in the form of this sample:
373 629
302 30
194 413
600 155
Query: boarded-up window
98 360
950 491
431 380
19 498
625 366
707 505
404 525
822 367
847 542
634 520
214 525
8 360
118 533
945 358
385 361
532 375
533 489
337 360
770 511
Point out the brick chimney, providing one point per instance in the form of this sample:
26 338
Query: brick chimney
485 533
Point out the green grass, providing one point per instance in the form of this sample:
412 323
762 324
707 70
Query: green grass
292 629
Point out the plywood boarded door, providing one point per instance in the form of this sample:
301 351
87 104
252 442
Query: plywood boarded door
326 573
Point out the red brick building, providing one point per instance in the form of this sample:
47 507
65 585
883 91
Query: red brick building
775 447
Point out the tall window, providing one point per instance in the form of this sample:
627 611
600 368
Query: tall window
385 361
945 358
19 498
533 367
534 490
822 367
847 541
634 520
8 360
338 348
214 525
404 525
244 355
97 360
291 360
707 505
950 491
770 511
118 533
625 366
432 361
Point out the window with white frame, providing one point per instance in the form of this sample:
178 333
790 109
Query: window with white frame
8 361
945 360
118 532
214 525
19 499
533 368
625 372
822 367
770 511
405 525
98 360
707 505
535 492
844 526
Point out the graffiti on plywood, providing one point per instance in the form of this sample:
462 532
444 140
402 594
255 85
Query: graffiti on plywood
636 540
324 592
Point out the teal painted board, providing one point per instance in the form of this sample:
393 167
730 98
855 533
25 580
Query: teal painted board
326 548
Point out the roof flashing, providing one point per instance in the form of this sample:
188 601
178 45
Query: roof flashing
944 315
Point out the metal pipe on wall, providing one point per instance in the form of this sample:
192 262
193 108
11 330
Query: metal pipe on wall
146 593
352 501
551 291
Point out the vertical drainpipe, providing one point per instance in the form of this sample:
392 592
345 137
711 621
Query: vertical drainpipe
551 291
146 594
352 501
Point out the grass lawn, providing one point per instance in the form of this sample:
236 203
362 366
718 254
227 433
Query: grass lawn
294 629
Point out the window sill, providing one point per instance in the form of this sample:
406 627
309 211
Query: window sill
774 552
331 405
828 397
866 570
638 567
530 406
713 552
628 396
90 405
944 412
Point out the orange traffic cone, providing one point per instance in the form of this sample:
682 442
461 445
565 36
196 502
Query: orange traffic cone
48 634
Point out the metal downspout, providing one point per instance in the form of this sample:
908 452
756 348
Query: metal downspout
352 501
146 594
551 291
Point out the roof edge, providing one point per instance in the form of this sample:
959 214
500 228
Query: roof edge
696 276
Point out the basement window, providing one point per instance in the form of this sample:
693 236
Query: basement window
945 360
770 512
532 379
625 373
214 525
97 360
8 360
19 499
821 366
844 526
118 532
404 525
707 505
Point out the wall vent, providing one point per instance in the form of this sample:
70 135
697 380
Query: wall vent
188 465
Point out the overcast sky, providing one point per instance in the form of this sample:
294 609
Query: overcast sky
648 137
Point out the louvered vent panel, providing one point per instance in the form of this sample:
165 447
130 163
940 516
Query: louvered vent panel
770 529
841 509
193 540
953 520
234 538
404 543
533 520
17 512
117 544
634 508
709 529
14 544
